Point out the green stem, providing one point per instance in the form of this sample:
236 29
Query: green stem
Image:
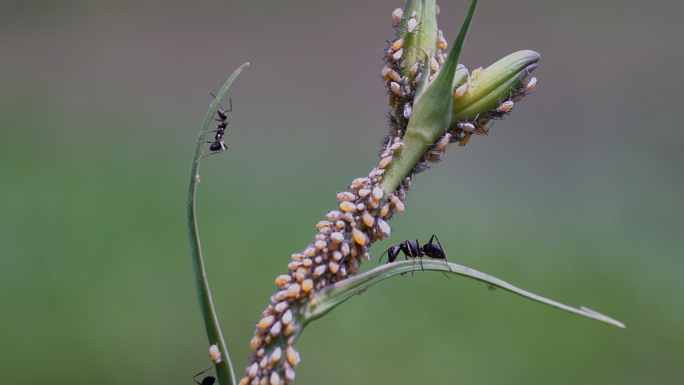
224 370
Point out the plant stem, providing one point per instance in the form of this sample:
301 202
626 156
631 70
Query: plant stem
224 370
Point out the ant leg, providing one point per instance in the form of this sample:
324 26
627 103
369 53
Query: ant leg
204 154
420 255
446 262
208 380
230 100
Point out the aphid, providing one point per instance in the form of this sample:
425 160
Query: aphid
407 110
411 24
443 143
396 89
360 182
276 328
397 44
346 196
386 161
441 42
283 279
397 203
383 73
334 267
440 57
530 85
414 68
359 236
384 227
505 106
397 55
436 9
292 356
434 66
215 354
466 127
289 373
293 290
433 157
267 321
407 90
392 74
476 72
397 15
368 219
420 167
461 90
384 210
378 193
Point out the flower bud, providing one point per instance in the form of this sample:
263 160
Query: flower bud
493 85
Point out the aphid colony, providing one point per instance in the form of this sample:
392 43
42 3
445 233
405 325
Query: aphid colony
335 253
402 82
343 238
462 132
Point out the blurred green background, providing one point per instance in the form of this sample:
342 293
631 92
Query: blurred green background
578 196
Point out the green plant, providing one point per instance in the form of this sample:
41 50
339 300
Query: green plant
435 102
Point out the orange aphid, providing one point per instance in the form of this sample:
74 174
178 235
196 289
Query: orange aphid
505 106
397 44
397 15
359 236
461 90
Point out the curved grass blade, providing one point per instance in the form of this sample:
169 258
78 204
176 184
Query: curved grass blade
224 370
334 295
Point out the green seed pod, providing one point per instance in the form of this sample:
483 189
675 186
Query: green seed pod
493 86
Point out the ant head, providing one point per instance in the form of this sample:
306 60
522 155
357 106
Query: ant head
392 253
222 113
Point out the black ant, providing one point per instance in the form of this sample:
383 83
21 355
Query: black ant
218 144
208 380
413 250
